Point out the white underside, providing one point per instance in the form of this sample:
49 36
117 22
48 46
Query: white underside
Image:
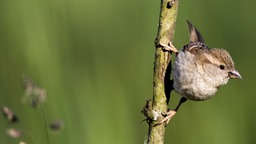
192 80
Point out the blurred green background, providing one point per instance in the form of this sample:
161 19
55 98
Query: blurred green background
95 59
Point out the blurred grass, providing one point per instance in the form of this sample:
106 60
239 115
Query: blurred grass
95 59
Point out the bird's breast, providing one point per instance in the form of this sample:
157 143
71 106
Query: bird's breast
190 79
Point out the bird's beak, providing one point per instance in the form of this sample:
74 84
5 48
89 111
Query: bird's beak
234 74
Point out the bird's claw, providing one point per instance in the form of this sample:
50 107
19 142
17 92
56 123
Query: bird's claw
169 47
167 117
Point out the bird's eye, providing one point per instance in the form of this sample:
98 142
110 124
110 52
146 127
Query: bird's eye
222 67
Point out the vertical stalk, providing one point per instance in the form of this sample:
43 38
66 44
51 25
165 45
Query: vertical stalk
161 79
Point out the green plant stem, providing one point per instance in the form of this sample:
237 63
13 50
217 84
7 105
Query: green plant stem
45 123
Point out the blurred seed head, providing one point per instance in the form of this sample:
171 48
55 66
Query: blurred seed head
57 125
9 115
22 142
28 85
13 133
39 96
34 95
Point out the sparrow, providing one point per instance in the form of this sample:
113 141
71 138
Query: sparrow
198 70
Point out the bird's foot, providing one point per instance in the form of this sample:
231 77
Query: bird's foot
167 117
169 47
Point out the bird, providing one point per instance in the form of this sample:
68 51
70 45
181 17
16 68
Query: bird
198 70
